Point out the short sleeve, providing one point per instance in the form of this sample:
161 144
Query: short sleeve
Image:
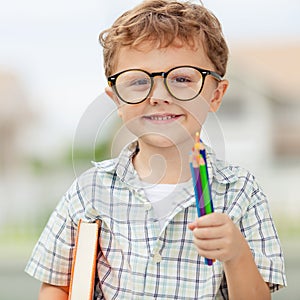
51 259
259 230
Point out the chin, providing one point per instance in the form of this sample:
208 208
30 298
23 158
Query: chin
162 141
162 136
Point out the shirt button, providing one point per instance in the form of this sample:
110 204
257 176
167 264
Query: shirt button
157 258
148 206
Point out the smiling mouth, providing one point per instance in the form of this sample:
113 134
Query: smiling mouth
162 117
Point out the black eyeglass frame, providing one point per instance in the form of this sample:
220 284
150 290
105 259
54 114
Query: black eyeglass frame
113 78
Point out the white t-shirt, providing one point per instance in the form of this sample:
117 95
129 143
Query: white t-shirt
164 198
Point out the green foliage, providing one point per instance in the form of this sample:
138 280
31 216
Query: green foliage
69 157
287 227
99 153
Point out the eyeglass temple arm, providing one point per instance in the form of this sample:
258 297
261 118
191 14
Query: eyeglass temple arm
215 75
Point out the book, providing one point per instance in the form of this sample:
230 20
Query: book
84 261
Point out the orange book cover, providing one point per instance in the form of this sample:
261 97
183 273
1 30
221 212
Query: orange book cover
84 261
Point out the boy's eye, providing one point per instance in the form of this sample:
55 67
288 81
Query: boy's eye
181 79
139 82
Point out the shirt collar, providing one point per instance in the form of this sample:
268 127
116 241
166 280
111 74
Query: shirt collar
218 170
122 165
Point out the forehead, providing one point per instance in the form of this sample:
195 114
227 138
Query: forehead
151 56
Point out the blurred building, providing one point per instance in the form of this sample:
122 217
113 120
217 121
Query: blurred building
260 117
264 97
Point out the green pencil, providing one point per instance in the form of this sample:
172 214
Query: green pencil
205 185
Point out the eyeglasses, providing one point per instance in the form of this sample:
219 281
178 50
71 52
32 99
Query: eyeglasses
184 83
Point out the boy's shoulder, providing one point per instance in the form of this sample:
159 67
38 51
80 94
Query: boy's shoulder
97 172
237 183
107 165
227 173
106 169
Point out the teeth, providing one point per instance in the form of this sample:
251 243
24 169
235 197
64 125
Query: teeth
161 118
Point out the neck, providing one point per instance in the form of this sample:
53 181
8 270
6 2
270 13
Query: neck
163 164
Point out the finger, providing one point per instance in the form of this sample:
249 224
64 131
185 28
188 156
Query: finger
204 233
210 220
191 226
212 254
211 249
208 245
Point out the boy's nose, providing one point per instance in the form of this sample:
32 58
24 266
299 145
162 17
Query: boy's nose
159 92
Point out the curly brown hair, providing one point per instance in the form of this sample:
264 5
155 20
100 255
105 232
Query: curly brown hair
165 23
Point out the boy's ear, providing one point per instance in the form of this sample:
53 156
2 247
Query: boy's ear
110 93
218 94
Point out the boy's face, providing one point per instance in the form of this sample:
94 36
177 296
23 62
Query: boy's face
162 120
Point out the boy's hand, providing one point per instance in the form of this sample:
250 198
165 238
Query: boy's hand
216 236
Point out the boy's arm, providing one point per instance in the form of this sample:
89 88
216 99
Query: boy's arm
50 292
243 278
216 236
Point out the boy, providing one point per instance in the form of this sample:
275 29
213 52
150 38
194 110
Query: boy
165 62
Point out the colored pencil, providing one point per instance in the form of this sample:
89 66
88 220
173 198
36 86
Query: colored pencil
206 195
199 171
205 186
196 189
203 153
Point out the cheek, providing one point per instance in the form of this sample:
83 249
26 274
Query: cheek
125 112
120 113
197 109
131 118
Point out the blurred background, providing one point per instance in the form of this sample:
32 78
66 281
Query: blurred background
55 119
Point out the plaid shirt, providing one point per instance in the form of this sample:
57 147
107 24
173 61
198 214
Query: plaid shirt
138 259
